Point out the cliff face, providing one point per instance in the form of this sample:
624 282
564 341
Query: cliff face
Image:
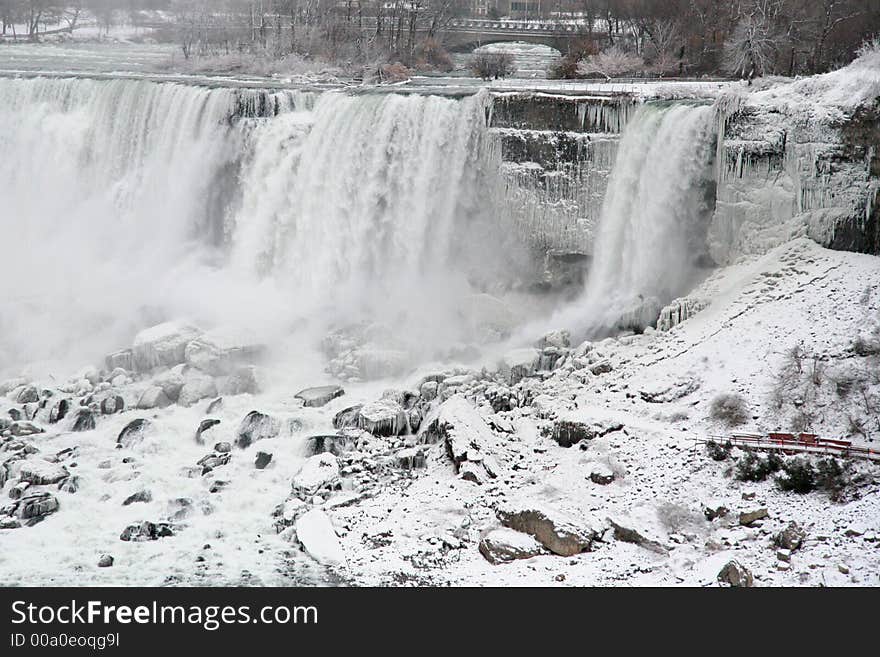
790 163
787 171
557 153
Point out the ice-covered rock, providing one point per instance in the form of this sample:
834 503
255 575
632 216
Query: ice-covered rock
384 417
560 532
84 420
123 359
153 397
319 396
35 506
146 531
519 364
163 345
221 352
58 410
469 441
204 427
41 473
678 311
197 386
256 426
133 433
503 545
315 533
585 424
318 471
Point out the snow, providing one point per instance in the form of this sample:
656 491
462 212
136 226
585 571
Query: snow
315 531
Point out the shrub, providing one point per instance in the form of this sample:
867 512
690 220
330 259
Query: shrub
492 65
610 63
751 467
717 451
430 54
831 477
729 408
798 476
395 72
802 421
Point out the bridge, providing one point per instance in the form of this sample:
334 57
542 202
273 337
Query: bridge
463 35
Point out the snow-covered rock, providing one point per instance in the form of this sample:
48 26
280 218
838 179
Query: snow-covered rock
315 533
221 352
319 396
163 344
503 545
256 426
519 364
318 471
560 532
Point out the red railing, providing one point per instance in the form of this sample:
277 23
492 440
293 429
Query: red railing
790 443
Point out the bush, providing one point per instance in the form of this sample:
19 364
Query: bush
729 408
395 72
751 467
676 518
612 62
798 476
717 451
430 54
831 477
492 65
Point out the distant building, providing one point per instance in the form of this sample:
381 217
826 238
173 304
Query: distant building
525 9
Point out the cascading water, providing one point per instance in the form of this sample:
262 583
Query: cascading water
651 241
126 203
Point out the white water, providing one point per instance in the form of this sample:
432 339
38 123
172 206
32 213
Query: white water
654 218
125 203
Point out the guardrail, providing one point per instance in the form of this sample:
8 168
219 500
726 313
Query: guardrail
787 443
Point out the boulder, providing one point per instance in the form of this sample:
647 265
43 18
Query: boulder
601 474
791 538
735 574
504 545
315 533
205 426
84 420
153 397
41 473
572 427
262 460
59 410
197 386
384 417
347 417
146 531
411 458
23 428
123 359
162 345
467 438
242 381
28 395
220 352
171 382
319 396
336 444
105 561
560 339
317 472
142 496
746 518
112 404
559 532
133 433
519 364
625 530
713 509
35 506
256 426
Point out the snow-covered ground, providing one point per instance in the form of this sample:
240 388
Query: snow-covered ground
652 393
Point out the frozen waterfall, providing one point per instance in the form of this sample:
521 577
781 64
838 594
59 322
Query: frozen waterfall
650 246
124 203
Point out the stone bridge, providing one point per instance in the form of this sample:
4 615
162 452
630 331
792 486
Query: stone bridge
463 35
